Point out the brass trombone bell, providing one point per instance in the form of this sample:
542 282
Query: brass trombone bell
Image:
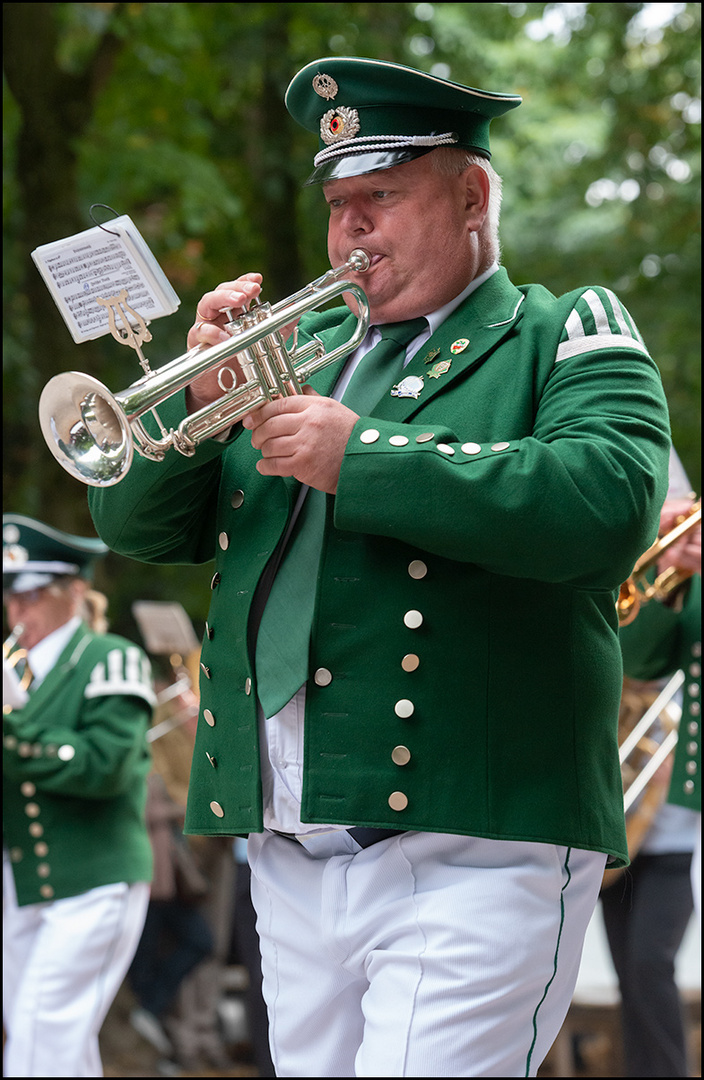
657 713
637 590
648 742
93 433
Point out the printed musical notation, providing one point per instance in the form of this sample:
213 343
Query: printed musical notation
100 263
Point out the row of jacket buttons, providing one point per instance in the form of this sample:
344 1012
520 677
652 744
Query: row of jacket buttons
372 435
37 750
693 709
40 848
404 708
236 501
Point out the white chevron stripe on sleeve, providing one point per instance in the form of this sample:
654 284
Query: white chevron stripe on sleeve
567 349
613 326
126 674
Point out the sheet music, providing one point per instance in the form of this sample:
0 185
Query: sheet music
98 263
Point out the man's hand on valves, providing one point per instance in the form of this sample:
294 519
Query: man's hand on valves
303 435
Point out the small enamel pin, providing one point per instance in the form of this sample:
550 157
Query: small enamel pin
431 356
460 345
410 387
439 369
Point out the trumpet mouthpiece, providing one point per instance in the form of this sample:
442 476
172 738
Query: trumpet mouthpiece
359 260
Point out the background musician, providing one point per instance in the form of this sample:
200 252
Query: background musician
77 858
646 912
410 689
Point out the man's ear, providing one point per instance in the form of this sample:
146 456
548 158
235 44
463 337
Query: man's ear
477 189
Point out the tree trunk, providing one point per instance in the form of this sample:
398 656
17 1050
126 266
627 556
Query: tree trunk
55 110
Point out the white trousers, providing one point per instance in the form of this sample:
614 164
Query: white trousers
422 955
63 963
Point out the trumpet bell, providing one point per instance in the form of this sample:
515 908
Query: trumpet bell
85 429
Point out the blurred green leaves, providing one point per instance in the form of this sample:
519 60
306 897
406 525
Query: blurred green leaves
173 114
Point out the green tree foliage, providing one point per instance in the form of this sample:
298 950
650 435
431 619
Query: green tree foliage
173 114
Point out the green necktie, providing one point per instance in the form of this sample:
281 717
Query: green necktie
281 658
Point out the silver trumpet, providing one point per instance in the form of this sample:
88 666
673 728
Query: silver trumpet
92 433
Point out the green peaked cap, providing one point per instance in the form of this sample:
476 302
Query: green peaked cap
35 554
372 114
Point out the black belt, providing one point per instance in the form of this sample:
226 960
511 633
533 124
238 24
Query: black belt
364 837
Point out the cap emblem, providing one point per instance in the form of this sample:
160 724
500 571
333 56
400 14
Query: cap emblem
338 124
325 86
14 555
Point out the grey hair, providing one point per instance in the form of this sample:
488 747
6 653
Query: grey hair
452 160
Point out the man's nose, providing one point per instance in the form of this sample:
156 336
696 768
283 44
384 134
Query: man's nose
357 220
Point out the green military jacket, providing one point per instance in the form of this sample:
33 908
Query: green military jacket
75 762
466 589
664 639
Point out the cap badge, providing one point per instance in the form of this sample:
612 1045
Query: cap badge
325 86
460 345
439 369
14 555
338 124
410 387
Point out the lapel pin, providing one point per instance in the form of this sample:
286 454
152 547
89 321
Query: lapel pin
460 345
431 356
410 387
439 369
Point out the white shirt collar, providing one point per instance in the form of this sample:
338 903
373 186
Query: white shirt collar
43 656
437 318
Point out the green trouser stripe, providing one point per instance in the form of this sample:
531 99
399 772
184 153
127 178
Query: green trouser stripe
554 965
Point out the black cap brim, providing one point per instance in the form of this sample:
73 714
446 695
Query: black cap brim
361 164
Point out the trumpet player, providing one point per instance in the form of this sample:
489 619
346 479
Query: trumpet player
647 912
77 858
411 669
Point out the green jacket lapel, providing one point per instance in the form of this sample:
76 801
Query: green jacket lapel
482 321
61 670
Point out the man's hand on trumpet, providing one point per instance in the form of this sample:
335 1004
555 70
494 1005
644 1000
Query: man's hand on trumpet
208 329
685 553
303 436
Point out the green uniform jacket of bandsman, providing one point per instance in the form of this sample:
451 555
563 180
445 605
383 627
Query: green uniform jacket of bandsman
480 529
665 638
75 761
